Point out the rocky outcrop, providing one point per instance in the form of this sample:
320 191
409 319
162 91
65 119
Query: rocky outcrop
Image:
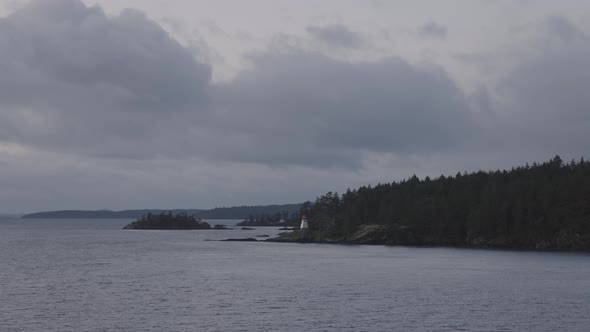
299 236
369 234
365 234
400 235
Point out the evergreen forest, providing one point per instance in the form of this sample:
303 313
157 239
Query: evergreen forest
538 206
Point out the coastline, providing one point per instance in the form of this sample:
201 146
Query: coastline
378 239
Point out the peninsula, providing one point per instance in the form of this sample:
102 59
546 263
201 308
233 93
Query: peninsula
539 207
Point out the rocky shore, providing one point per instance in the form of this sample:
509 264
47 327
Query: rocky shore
387 235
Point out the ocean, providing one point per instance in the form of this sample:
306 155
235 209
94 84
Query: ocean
90 275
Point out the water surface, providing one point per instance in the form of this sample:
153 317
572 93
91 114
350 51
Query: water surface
89 275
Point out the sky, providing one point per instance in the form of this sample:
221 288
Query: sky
120 104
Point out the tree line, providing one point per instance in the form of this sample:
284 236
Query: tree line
544 205
169 220
282 218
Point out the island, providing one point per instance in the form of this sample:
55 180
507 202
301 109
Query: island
169 221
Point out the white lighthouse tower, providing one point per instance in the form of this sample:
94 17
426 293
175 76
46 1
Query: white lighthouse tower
304 223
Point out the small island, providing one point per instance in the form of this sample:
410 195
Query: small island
168 221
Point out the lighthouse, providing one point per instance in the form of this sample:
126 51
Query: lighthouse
304 223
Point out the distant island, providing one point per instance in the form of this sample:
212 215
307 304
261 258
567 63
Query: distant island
269 220
236 212
102 214
168 221
538 207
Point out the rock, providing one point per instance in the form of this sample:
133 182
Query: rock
369 234
249 239
248 229
365 234
298 236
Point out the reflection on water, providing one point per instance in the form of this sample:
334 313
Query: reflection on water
89 275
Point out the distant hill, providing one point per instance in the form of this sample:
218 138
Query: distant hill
238 212
99 214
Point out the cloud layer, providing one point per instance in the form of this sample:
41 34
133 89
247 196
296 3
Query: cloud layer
312 110
78 80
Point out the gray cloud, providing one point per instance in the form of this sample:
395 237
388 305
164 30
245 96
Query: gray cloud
77 80
336 35
564 29
67 42
549 31
310 109
552 81
433 30
544 95
82 82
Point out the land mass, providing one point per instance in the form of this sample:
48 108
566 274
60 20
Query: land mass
539 207
236 212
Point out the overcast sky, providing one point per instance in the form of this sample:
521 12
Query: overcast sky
123 104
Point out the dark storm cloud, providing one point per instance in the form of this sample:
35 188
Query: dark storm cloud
311 109
433 30
336 35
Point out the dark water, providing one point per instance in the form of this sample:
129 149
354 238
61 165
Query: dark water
58 275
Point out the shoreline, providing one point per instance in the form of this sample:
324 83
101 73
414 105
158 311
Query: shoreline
307 237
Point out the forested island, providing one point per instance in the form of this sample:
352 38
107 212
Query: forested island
168 221
540 206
